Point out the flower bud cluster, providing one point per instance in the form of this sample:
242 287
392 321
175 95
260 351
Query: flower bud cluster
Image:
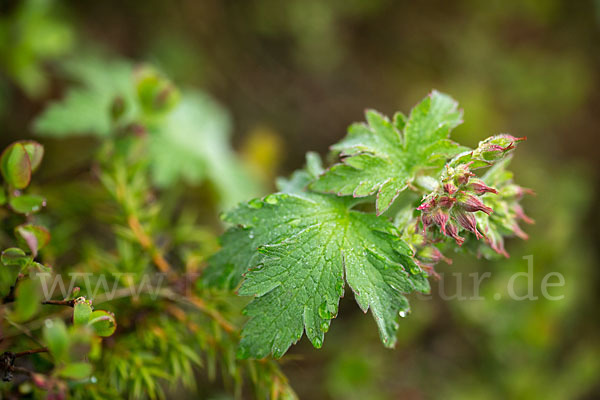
452 207
506 217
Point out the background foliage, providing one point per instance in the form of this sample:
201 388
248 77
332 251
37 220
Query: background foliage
292 76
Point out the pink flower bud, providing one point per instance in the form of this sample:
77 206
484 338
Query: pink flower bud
497 244
519 232
453 232
450 188
426 206
426 220
480 188
462 174
440 218
446 201
472 203
521 214
496 147
468 221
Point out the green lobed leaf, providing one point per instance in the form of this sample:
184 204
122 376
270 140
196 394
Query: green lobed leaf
27 203
16 165
383 157
309 246
188 140
225 268
192 144
87 109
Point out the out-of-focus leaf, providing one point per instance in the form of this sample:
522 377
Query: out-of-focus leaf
29 36
8 277
28 297
16 165
76 370
57 339
103 323
87 109
35 237
193 143
27 203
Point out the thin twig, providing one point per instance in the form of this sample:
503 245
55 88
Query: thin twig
68 303
33 351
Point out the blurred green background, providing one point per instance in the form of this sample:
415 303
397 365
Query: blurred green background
294 74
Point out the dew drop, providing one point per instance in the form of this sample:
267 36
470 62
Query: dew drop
255 203
324 311
317 342
271 199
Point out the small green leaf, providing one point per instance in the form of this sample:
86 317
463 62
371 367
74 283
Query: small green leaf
28 297
35 152
36 268
82 311
103 323
15 256
57 339
27 204
2 197
76 370
16 166
35 237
